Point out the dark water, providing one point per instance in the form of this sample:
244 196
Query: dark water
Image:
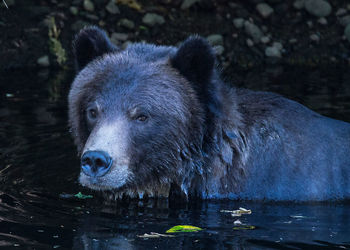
38 163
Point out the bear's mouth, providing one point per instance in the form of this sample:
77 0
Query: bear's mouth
124 189
94 183
116 178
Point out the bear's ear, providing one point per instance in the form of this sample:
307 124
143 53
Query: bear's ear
195 59
90 43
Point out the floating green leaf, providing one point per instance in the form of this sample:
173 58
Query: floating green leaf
83 196
183 229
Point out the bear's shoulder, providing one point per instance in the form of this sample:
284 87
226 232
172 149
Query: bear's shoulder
264 104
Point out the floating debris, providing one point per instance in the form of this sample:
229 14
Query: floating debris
183 229
66 196
78 195
83 196
237 213
4 169
154 235
298 216
237 222
244 227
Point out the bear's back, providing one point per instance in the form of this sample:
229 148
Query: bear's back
296 153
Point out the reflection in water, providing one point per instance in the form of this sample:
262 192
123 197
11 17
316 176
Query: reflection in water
38 163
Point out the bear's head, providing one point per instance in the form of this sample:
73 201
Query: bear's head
140 117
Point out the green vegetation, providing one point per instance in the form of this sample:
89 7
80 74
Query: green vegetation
183 229
55 45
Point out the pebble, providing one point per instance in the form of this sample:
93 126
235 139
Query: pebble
322 21
347 32
127 23
310 24
299 4
73 10
250 42
238 22
345 20
272 52
319 8
112 8
78 25
152 19
314 37
265 39
215 39
233 5
277 45
293 40
88 5
119 36
92 17
264 10
253 31
43 61
340 12
186 4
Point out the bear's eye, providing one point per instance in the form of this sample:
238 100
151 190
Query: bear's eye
141 118
92 113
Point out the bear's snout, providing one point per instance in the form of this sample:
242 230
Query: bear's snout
96 163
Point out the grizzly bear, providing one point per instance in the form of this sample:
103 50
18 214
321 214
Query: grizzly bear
157 120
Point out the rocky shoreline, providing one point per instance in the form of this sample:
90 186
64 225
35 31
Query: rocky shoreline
244 33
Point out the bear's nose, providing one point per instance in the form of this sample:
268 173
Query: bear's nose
95 163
